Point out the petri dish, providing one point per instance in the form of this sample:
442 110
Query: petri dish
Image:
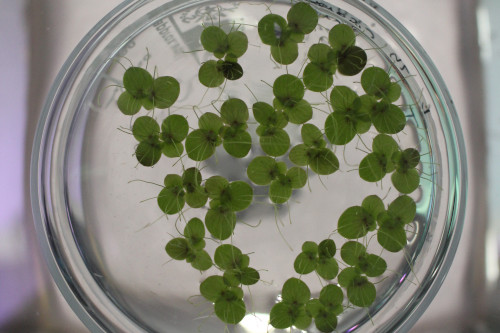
95 207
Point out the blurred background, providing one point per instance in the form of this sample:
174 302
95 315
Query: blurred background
462 37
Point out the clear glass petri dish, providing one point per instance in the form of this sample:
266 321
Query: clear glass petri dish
98 223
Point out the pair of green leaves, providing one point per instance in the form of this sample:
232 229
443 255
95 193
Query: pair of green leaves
228 300
191 246
180 190
386 157
326 308
349 117
291 311
375 165
213 73
201 143
354 254
357 221
152 142
317 258
235 139
283 36
264 170
235 265
313 152
226 199
231 46
406 178
351 59
273 139
289 93
318 73
141 90
360 291
391 234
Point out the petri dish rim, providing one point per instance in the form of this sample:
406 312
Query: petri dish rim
40 178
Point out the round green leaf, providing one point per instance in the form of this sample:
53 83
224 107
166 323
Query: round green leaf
323 161
171 200
272 29
274 141
347 275
227 256
325 321
406 181
138 82
249 276
148 153
310 247
174 128
312 136
305 263
177 248
234 112
316 78
174 149
327 248
201 261
372 167
210 75
281 316
352 61
327 268
230 311
302 18
220 222
262 170
376 82
392 239
166 90
300 112
297 176
355 222
361 292
403 209
215 185
194 230
340 128
145 129
128 104
388 118
231 70
285 53
299 155
263 113
330 296
238 44
288 89
197 198
241 195
319 54
212 287
280 192
351 252
173 180
200 144
372 265
373 205
237 143
214 39
341 37
295 291
344 99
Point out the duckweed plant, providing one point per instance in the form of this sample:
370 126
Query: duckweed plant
351 272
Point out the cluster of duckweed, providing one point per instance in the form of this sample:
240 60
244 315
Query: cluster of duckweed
222 199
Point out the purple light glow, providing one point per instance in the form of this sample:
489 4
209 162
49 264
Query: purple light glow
352 328
402 278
